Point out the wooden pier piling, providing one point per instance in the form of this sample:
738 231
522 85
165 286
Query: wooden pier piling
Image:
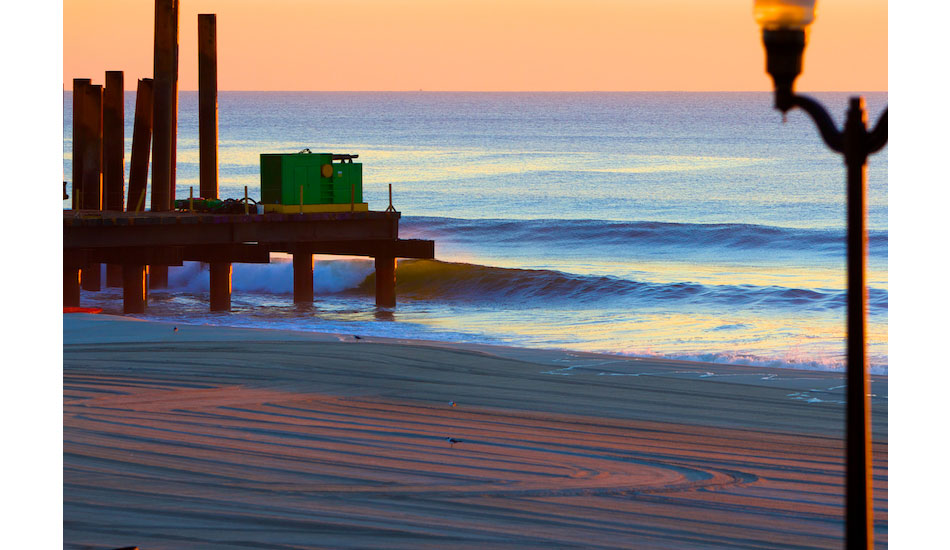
208 105
219 272
90 129
174 134
113 156
164 118
165 66
70 286
134 288
113 142
385 281
141 142
79 144
91 192
303 277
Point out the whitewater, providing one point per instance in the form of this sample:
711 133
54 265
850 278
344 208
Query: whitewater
680 225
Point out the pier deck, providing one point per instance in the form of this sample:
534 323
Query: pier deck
135 240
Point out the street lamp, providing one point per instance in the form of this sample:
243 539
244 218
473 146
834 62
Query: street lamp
784 31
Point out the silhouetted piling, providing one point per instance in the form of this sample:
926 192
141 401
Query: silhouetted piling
164 117
219 272
70 286
303 277
208 105
134 288
79 85
174 77
113 156
386 281
91 130
90 136
165 36
113 142
141 142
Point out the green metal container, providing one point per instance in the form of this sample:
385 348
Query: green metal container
323 181
347 176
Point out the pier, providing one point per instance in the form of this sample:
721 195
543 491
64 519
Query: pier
138 246
137 240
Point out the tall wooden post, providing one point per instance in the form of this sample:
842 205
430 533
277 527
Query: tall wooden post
113 156
303 277
219 272
70 286
113 142
164 118
135 276
91 152
134 288
208 105
79 85
385 281
91 129
174 135
141 141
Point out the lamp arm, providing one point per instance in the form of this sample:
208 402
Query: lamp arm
877 139
833 138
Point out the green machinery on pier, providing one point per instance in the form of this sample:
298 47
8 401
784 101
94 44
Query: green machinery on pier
311 182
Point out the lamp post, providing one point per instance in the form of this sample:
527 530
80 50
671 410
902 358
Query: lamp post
784 31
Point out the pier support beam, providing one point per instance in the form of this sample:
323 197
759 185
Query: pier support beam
385 281
113 142
70 286
91 191
134 288
79 143
208 105
113 156
141 142
164 117
90 128
303 277
220 273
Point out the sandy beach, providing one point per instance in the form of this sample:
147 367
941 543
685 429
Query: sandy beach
210 437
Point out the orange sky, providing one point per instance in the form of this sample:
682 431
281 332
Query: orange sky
478 45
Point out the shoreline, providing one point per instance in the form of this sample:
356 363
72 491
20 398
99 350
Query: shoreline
513 350
815 388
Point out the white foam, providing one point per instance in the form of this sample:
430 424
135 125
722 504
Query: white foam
277 277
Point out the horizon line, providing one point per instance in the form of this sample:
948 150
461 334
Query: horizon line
65 89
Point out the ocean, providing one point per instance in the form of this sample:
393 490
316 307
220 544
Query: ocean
677 225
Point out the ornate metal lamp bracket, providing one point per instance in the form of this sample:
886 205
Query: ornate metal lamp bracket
868 142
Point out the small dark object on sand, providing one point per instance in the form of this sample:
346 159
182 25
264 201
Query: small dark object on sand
355 337
452 441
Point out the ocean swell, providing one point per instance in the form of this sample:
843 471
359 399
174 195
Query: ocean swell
462 282
636 234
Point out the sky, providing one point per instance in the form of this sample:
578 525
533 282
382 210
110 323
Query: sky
479 45
363 44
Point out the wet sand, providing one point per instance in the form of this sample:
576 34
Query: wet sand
210 437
